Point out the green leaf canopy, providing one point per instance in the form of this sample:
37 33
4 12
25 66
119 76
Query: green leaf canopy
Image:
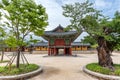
24 17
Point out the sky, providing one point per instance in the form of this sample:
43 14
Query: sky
54 10
55 17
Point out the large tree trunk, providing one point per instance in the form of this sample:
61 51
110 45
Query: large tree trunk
104 52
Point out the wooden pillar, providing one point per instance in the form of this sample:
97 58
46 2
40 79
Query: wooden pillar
64 51
54 51
51 51
48 50
70 51
57 52
81 48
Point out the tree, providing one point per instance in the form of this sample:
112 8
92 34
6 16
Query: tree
24 17
115 27
2 42
32 42
89 39
76 12
106 33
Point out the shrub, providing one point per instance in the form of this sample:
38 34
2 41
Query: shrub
13 71
97 68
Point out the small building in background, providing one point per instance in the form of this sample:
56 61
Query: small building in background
76 46
41 46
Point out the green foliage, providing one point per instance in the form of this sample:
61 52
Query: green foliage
97 68
115 33
84 17
5 2
94 46
117 72
11 41
89 39
2 33
24 68
91 26
25 17
32 40
2 37
117 15
76 12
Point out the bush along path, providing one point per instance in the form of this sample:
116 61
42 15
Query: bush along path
102 72
25 71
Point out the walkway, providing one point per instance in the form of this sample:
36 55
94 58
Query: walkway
63 67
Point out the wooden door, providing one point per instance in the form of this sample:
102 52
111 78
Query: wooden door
59 42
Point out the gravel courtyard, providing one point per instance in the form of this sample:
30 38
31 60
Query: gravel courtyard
65 67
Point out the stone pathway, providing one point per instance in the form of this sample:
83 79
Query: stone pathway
65 67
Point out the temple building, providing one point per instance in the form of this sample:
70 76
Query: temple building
57 40
60 39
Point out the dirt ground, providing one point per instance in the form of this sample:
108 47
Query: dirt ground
65 67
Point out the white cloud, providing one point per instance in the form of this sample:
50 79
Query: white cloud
54 11
102 4
108 7
72 1
116 5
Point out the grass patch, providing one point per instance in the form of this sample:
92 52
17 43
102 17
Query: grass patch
96 68
15 71
4 61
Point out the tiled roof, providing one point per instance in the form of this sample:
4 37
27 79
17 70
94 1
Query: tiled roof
41 44
59 33
80 44
73 44
57 28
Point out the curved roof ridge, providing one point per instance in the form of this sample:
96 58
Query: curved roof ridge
58 28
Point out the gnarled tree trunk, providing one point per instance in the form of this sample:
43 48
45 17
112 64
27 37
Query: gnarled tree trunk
104 52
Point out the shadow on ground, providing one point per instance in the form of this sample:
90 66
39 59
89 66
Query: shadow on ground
49 71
